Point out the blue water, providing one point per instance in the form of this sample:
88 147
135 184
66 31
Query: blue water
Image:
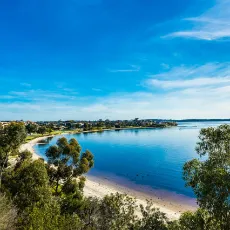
148 157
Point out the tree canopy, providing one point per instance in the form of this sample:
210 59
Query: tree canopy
65 161
209 177
11 137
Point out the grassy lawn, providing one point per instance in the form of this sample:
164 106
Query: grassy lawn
56 132
36 135
33 136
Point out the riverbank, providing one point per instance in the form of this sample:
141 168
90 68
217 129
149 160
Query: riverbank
171 204
78 131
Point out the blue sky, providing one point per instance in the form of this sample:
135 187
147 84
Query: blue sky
115 59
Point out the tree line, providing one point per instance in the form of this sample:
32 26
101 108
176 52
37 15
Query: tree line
49 195
49 127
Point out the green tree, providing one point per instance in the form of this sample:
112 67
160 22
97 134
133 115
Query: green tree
114 212
8 214
31 128
49 130
86 126
209 177
22 157
200 220
28 184
117 211
11 137
65 161
152 218
42 130
48 217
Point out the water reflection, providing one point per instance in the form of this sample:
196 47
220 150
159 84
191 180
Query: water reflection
45 141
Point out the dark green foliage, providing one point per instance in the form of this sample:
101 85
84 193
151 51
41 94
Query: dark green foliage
152 218
210 178
31 128
48 217
42 130
118 212
11 137
200 220
8 214
114 212
22 157
65 161
28 184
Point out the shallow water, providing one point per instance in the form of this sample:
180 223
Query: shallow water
142 157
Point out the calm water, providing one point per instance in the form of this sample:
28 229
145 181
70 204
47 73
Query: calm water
148 157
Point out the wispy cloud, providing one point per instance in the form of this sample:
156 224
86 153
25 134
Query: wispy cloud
206 70
6 97
213 24
132 68
38 95
202 102
212 74
197 82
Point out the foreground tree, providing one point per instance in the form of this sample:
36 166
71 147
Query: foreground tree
210 176
48 217
114 212
28 184
199 220
119 212
65 162
152 218
8 214
11 137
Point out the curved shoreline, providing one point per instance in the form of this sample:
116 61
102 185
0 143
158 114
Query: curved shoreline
100 187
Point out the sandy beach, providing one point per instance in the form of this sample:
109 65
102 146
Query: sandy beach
172 205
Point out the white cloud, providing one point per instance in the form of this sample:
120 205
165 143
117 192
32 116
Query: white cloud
206 70
189 92
212 74
204 102
94 108
213 24
197 82
43 94
6 97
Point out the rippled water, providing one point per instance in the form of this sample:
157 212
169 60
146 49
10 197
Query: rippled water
148 157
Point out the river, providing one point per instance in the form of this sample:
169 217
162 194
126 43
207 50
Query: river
142 157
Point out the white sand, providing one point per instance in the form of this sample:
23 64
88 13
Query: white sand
30 146
173 207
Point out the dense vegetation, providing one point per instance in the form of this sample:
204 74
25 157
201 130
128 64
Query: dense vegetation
50 126
49 196
39 129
